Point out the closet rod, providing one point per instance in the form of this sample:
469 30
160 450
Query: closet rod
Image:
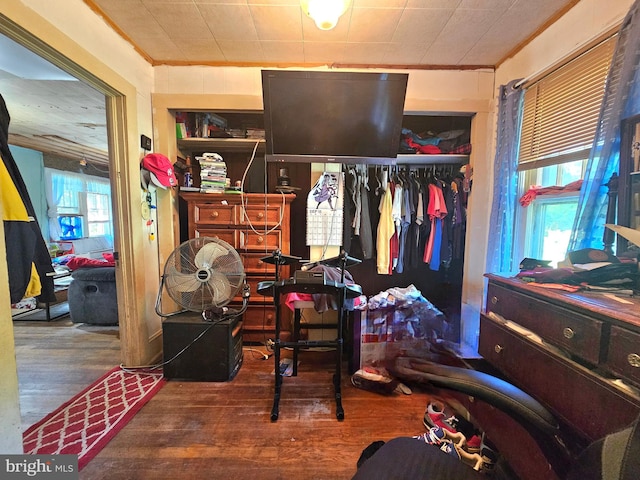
432 159
418 160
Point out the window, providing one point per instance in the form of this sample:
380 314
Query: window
98 214
560 116
79 204
549 218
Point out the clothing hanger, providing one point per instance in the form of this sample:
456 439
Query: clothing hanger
379 180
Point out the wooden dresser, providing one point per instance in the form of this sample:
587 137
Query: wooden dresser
255 225
577 353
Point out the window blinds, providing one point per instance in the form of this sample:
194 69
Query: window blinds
561 110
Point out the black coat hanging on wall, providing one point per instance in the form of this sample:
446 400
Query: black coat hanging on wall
25 245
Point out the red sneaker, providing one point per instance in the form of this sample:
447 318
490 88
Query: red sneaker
439 414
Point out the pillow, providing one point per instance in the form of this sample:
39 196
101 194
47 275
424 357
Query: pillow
83 262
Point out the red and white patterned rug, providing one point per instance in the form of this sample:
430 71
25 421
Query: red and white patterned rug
86 423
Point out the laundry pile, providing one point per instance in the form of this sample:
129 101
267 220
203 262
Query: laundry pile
449 142
587 269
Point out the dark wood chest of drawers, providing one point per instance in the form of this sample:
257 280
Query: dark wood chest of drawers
255 225
576 353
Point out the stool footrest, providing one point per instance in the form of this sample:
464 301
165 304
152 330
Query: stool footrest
318 326
311 343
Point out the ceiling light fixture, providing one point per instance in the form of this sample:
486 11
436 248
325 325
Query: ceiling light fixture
325 13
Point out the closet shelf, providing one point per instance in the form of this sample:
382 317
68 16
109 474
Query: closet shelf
431 159
195 144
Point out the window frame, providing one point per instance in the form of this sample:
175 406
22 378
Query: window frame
81 208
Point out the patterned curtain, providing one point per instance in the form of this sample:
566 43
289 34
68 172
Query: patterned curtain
621 100
505 183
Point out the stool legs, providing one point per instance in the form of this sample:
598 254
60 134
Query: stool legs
278 382
276 356
296 343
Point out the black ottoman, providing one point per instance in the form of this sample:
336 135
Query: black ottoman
92 296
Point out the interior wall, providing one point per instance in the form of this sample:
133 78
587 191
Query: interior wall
587 20
80 36
10 422
31 166
584 22
428 91
123 72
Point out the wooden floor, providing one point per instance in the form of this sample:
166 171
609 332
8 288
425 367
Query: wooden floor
214 429
58 359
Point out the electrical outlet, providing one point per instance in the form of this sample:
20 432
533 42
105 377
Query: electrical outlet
145 142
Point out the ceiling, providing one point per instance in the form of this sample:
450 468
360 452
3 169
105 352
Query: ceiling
50 110
56 114
452 33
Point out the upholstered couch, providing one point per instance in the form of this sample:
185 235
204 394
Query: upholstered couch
92 296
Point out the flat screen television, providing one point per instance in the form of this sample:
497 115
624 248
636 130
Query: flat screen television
324 117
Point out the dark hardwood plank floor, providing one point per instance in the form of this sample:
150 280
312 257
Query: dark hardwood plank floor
214 429
58 359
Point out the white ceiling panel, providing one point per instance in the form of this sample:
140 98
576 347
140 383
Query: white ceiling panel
375 33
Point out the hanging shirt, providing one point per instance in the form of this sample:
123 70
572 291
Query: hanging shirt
404 229
436 211
386 230
366 235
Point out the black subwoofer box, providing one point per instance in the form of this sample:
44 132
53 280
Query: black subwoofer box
212 350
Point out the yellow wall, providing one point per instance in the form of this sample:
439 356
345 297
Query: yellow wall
11 438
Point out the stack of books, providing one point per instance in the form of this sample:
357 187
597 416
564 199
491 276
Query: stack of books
255 133
213 173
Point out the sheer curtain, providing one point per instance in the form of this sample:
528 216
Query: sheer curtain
505 184
621 100
63 191
58 188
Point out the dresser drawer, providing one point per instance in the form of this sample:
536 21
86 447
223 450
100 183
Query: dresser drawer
214 214
260 317
260 216
254 296
229 236
623 357
253 264
577 334
574 393
251 241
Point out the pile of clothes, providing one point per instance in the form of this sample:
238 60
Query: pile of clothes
586 269
449 142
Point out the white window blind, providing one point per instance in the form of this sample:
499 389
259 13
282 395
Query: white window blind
561 110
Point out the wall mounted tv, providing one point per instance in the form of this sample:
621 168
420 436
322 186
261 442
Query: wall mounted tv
324 117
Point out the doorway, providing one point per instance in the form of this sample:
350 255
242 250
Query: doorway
66 117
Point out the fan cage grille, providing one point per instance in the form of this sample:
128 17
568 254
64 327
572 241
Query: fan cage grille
203 273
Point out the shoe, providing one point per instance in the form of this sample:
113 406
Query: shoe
454 444
438 414
440 436
374 381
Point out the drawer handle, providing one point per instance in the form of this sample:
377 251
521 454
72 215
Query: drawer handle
260 263
634 360
498 348
214 214
568 333
494 300
260 239
260 215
